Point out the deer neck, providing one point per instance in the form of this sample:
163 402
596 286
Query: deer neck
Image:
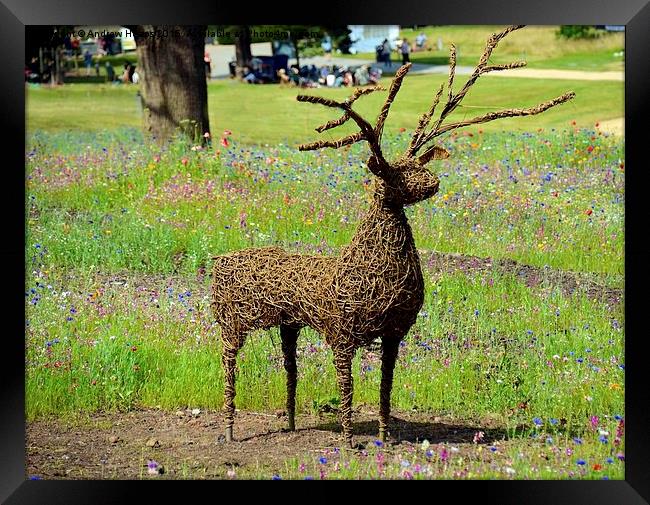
384 234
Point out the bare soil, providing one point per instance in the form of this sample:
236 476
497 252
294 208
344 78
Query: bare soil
119 445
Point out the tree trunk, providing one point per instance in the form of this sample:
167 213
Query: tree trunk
173 81
243 49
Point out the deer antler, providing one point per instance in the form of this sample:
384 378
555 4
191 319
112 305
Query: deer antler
367 132
422 137
392 92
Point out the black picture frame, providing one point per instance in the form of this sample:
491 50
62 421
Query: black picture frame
634 14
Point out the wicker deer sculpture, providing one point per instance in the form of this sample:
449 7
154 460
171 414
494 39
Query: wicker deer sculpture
374 289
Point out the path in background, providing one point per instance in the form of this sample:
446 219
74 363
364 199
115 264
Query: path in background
615 126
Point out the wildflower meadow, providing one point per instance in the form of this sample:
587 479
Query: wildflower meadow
120 234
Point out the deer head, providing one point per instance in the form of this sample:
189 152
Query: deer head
406 180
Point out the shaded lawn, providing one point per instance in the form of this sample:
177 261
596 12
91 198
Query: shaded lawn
240 107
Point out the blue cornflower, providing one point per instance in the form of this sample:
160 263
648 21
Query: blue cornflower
609 460
276 477
493 449
379 443
617 417
323 460
553 421
577 440
538 421
581 462
603 439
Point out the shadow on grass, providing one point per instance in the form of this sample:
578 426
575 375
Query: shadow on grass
401 430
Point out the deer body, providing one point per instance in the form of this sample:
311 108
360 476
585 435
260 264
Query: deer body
374 289
382 254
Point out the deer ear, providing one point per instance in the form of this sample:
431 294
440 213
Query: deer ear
434 153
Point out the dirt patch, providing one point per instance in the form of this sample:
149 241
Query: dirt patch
118 446
535 277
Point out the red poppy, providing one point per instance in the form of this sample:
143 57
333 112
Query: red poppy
227 132
597 467
589 212
184 161
224 141
590 148
402 130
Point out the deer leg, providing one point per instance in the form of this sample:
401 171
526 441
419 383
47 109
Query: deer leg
231 345
289 341
390 349
343 365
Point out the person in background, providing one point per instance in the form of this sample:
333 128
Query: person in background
385 53
420 40
375 75
126 74
362 76
348 78
405 48
326 44
110 72
88 61
208 65
284 78
249 76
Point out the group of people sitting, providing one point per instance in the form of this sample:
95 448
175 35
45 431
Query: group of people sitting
329 76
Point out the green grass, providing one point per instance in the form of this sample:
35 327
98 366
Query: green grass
539 46
238 107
